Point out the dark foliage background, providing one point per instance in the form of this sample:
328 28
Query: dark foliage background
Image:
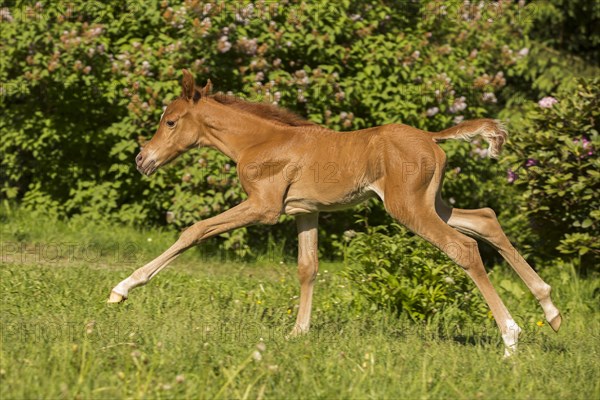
84 84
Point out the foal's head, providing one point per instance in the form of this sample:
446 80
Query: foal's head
178 131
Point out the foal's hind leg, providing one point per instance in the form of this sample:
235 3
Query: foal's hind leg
483 224
463 250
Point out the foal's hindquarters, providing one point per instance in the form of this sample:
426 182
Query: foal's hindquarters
412 196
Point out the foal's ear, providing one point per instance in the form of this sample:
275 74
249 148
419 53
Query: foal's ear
206 90
187 85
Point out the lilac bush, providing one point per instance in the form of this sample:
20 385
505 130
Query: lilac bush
84 85
553 161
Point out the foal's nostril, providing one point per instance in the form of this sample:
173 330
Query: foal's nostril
139 159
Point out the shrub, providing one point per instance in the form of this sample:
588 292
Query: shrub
554 162
396 270
84 85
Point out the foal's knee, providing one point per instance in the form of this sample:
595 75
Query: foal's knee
191 236
267 215
465 253
307 270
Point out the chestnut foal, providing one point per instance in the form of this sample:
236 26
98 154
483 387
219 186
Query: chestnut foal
289 165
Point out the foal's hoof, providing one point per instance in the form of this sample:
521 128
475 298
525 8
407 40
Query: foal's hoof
296 332
116 297
555 323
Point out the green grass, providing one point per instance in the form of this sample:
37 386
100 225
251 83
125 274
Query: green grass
193 331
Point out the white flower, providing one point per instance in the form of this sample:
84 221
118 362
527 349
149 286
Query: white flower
449 280
432 111
224 45
459 105
489 97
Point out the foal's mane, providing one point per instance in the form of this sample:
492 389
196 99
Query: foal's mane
263 110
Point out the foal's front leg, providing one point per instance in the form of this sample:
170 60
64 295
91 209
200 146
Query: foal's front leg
308 265
243 214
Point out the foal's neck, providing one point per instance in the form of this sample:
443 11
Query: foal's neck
232 131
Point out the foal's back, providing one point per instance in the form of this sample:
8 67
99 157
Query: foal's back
336 170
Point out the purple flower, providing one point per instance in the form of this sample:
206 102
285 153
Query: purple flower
531 162
511 176
547 102
586 143
587 146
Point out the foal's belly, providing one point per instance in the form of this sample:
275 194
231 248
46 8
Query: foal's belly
295 204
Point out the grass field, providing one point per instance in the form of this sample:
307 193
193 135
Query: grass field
207 328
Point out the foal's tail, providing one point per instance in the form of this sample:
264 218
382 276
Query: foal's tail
492 130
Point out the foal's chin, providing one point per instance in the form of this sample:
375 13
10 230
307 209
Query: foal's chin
154 165
148 170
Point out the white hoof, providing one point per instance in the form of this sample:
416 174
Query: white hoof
511 338
297 331
556 322
116 297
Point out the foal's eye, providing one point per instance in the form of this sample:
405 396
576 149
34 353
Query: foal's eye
170 124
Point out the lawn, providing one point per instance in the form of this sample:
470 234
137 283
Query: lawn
210 328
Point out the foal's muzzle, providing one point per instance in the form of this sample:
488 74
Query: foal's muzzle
144 165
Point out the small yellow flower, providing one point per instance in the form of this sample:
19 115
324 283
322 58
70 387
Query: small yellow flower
540 323
258 302
289 310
